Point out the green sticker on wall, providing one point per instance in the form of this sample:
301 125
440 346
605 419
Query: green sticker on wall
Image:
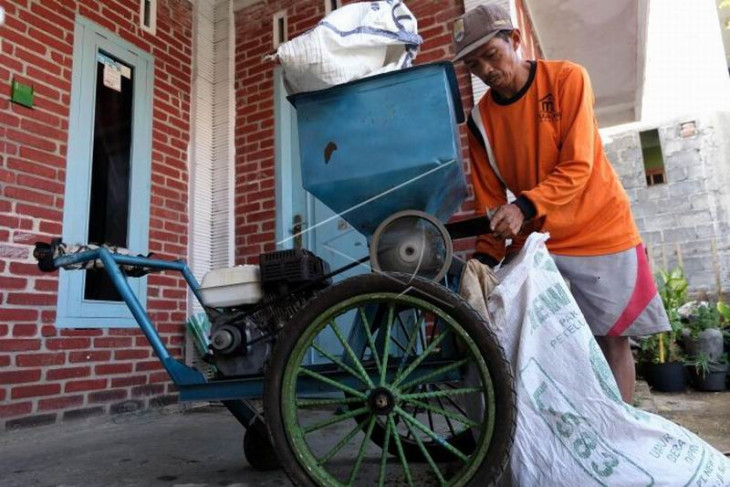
22 94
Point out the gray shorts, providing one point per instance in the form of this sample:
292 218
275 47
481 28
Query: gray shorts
615 292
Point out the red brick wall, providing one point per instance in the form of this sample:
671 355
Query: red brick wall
47 374
255 203
530 47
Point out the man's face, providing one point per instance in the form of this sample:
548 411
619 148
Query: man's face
494 63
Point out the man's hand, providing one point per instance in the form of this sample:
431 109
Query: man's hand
507 221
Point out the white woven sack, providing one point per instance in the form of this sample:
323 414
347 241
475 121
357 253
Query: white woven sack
573 429
352 42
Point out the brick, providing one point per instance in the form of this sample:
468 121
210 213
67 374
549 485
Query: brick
106 396
19 345
53 82
31 167
22 40
12 282
112 342
15 409
126 407
40 359
68 373
60 403
25 330
131 354
78 414
89 356
4 360
133 331
25 194
21 392
40 184
19 376
161 401
30 421
42 157
42 17
148 390
27 139
67 343
157 377
85 385
52 42
111 369
32 299
16 314
39 212
49 331
81 332
45 284
129 381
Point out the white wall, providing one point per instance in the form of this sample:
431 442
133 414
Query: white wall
686 70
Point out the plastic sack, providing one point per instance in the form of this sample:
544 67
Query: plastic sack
352 42
572 426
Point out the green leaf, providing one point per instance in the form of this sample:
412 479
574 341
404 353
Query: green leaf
723 308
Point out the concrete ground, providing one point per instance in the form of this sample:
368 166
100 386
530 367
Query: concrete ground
202 446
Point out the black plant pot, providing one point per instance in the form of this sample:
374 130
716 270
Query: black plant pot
709 342
713 381
666 377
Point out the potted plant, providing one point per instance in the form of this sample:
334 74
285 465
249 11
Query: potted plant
662 362
707 375
703 334
660 357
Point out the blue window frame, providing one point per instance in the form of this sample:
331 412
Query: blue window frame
107 171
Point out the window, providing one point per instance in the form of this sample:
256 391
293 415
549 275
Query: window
108 175
687 129
330 5
148 15
280 28
651 150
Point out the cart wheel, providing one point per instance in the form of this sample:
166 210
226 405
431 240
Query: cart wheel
259 452
420 373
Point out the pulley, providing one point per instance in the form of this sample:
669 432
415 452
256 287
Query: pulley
412 242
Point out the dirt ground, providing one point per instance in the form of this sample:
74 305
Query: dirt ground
707 414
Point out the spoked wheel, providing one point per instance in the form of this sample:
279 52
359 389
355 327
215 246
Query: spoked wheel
417 370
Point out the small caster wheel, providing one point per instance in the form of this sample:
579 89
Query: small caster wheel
258 451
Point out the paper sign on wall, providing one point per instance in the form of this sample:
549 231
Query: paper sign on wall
112 77
126 71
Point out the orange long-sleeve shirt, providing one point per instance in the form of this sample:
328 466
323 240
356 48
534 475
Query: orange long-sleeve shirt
546 147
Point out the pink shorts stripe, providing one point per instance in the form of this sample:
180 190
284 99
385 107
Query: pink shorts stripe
615 292
644 292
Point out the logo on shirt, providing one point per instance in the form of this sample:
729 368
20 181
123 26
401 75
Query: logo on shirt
459 30
548 110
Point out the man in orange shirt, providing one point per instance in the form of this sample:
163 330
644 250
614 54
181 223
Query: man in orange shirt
535 135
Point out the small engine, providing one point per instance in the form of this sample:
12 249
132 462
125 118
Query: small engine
243 335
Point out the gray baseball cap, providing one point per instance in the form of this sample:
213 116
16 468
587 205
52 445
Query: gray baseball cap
477 27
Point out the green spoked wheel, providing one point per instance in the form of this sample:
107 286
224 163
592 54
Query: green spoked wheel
386 379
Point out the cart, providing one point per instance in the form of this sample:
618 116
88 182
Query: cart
416 389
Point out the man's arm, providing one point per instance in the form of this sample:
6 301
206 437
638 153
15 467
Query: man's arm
577 145
489 193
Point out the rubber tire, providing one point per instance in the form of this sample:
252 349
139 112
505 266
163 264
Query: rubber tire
497 457
259 452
